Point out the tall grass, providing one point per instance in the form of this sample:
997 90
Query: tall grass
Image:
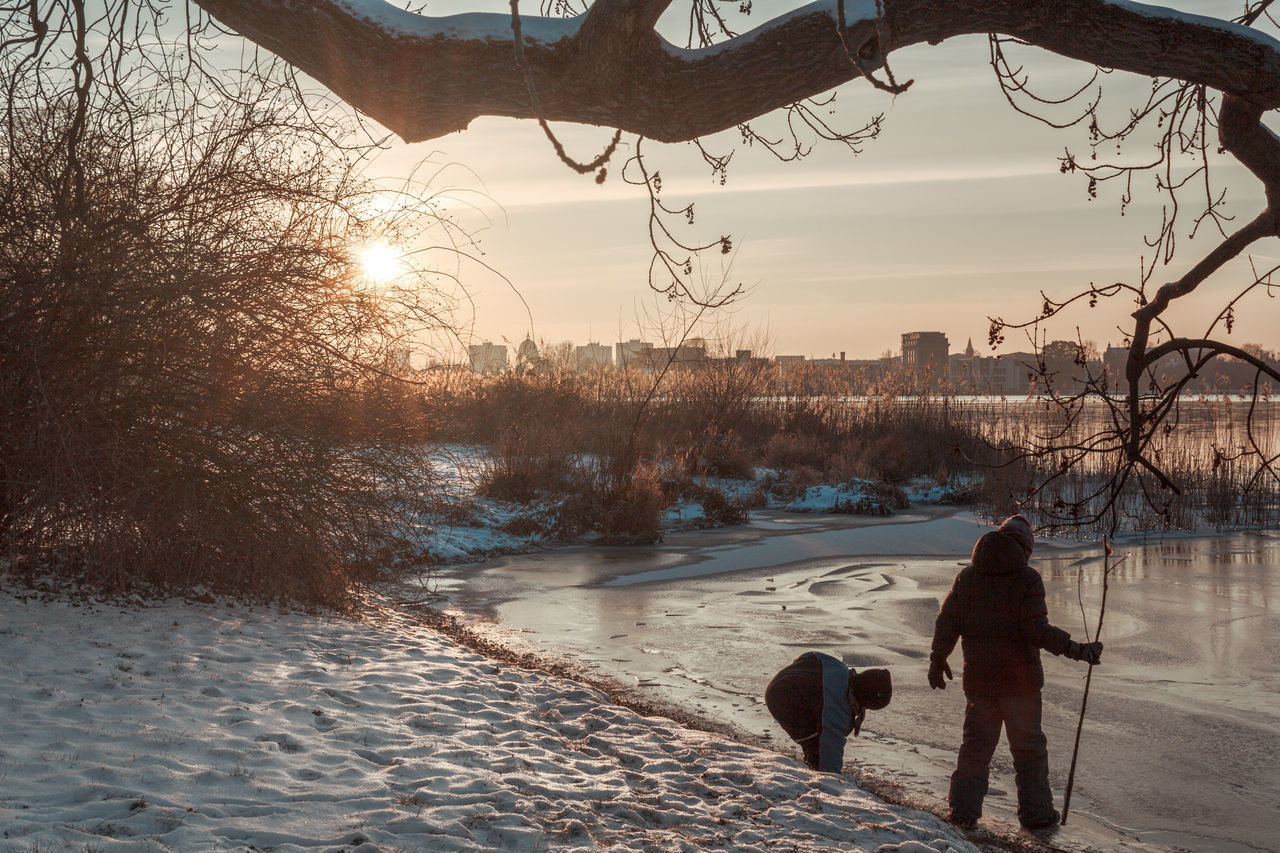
1204 449
615 447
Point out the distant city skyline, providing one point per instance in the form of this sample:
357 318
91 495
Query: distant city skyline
927 361
956 344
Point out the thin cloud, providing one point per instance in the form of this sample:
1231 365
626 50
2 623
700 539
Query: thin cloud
566 191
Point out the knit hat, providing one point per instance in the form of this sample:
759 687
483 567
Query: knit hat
873 688
1017 528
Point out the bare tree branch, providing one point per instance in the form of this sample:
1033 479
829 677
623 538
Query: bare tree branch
423 77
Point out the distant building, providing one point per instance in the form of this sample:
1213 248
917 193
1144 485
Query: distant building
925 358
633 353
593 356
970 373
1115 364
644 355
868 374
488 358
527 355
747 358
999 375
691 353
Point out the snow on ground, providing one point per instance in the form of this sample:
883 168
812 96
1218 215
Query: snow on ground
855 497
184 726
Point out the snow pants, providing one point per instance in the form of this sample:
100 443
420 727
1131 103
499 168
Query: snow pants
1020 717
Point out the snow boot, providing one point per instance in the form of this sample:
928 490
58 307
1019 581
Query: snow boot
965 799
1040 823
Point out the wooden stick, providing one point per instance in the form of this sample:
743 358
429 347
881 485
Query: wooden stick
1088 679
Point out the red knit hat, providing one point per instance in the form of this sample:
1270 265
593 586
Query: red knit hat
1017 528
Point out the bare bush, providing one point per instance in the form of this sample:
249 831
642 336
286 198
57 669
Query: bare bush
198 383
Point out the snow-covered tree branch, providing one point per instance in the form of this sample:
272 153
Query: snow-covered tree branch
423 77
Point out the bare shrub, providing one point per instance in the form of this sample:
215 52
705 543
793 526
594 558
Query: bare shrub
196 380
529 459
785 450
533 423
620 510
878 499
795 481
720 508
722 454
583 436
522 525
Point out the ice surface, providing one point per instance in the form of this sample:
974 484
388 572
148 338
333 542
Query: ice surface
1183 730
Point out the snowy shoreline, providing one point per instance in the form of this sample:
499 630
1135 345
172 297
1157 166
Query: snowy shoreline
179 726
175 726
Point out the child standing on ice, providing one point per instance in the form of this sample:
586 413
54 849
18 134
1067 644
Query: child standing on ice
996 606
818 701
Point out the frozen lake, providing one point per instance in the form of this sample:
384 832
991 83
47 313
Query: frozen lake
1181 745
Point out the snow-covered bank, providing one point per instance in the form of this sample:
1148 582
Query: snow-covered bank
212 727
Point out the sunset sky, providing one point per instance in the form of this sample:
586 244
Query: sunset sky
957 212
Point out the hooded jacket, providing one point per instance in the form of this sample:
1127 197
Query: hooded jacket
814 688
996 608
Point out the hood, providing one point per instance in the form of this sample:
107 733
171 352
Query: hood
998 554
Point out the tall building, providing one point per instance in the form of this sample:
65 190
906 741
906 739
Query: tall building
634 352
488 357
593 356
925 358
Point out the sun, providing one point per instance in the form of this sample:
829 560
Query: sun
380 263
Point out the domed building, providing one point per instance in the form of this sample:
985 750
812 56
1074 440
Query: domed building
527 354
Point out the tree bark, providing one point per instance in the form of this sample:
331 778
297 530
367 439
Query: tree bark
424 77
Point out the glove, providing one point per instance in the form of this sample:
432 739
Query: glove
1090 653
937 669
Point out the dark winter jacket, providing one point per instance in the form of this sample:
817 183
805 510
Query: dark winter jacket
996 606
810 699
